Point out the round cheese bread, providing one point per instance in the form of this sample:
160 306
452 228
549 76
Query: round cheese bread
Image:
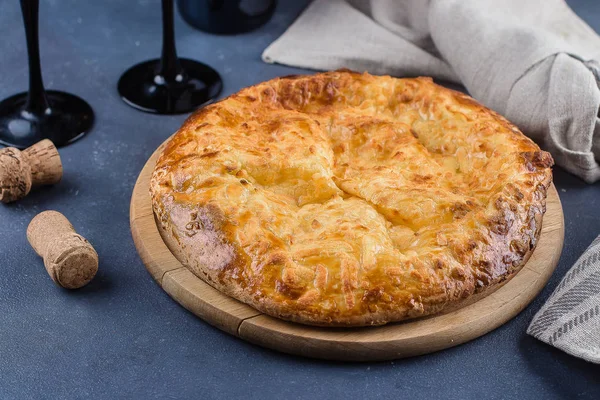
345 199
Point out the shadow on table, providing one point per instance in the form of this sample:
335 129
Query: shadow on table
100 285
46 196
561 370
566 180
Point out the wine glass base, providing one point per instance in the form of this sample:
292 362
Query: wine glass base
67 119
143 88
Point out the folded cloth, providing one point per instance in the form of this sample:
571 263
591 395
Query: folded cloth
570 319
526 59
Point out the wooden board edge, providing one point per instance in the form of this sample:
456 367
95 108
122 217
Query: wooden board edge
213 307
143 226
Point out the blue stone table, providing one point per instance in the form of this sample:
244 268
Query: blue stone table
122 336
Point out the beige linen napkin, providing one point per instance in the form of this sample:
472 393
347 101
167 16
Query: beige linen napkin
522 58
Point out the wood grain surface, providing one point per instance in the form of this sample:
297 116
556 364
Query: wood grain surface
386 342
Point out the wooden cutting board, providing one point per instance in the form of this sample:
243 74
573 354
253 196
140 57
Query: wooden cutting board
387 342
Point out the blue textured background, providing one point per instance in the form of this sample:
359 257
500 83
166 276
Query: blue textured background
122 336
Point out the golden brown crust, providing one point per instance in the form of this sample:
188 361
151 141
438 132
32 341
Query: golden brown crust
345 199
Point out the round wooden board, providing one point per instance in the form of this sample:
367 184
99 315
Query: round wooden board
387 342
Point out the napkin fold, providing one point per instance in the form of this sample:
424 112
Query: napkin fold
570 319
531 61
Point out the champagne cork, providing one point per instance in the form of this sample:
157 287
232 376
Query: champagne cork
70 259
21 170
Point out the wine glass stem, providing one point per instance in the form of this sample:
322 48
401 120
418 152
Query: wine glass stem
169 63
37 103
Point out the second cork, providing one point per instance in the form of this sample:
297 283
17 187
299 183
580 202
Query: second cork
69 258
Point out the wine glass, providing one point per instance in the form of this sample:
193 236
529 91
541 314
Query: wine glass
26 118
169 85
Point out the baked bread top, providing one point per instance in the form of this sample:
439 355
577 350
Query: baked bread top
345 199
